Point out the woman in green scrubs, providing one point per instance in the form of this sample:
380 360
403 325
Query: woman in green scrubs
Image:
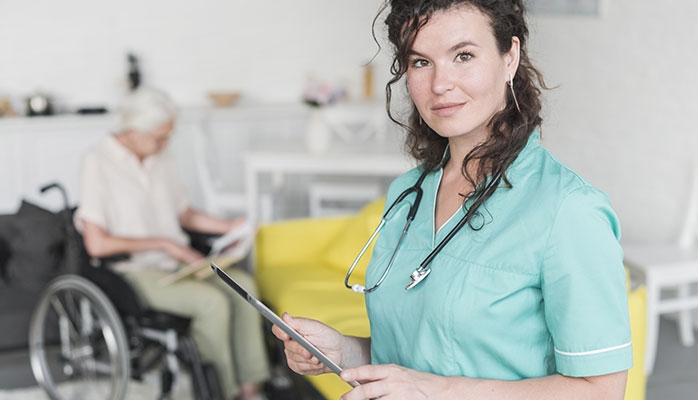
527 300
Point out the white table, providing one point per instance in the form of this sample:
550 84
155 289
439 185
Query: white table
370 163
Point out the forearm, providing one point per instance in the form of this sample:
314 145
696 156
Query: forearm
113 245
396 382
107 245
608 387
100 243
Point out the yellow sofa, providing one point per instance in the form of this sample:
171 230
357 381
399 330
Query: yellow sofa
300 269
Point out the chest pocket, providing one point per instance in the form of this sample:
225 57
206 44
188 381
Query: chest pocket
484 313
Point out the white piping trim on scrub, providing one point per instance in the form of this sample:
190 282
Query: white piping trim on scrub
589 353
433 211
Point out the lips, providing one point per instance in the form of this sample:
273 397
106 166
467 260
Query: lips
445 110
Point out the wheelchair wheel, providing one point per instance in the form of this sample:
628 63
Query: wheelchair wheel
90 357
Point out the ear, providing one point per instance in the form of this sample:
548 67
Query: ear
511 57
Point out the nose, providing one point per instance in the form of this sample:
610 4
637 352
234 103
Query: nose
442 80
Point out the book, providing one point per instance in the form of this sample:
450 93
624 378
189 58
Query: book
226 249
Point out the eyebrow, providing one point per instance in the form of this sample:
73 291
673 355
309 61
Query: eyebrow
462 44
453 48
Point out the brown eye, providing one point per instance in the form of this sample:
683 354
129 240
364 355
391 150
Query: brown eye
419 63
464 57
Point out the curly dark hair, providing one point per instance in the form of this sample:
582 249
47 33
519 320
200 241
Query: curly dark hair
511 127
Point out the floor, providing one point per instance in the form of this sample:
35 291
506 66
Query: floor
675 376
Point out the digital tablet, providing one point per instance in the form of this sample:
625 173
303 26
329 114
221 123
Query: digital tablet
276 320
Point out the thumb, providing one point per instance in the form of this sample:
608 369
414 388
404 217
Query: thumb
304 326
293 322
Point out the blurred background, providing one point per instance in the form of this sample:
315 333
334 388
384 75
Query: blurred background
620 112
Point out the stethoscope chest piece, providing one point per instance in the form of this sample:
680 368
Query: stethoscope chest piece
417 276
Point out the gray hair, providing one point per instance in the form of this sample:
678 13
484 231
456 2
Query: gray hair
145 109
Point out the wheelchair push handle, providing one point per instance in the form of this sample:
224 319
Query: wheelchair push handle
50 186
56 185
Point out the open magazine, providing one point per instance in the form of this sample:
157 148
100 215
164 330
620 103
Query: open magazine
229 248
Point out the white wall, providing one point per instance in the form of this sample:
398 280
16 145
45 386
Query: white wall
622 114
76 49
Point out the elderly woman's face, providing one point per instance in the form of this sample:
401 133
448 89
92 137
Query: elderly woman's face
155 141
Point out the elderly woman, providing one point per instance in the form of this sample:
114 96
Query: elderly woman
132 202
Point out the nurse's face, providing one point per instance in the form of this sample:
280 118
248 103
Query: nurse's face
456 75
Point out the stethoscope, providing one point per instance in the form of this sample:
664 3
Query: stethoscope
419 274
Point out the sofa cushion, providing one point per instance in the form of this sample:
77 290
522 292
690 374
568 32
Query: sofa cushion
329 302
347 244
36 246
292 243
274 283
334 305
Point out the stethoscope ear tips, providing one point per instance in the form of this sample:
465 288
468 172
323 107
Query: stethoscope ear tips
358 288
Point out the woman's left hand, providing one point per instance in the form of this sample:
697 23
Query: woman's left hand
391 381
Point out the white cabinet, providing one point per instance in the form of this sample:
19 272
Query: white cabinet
39 150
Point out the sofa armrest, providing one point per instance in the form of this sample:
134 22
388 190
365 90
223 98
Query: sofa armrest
635 388
292 243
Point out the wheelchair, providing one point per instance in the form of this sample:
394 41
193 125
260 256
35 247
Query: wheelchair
89 334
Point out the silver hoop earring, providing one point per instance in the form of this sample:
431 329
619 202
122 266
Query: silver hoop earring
513 94
420 120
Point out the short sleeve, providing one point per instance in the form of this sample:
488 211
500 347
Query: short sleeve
91 203
180 198
583 285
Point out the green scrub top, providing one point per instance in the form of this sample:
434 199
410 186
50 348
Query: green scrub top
539 289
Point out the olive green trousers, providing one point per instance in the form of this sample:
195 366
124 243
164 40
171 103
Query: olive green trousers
226 329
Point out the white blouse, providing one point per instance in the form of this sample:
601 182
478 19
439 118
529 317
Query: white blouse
132 199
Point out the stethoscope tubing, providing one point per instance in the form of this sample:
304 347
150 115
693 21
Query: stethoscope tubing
361 254
417 190
423 270
489 189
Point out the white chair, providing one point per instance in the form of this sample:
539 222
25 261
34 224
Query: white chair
668 270
217 199
357 122
334 199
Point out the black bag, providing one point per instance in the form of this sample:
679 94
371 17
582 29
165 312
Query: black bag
35 240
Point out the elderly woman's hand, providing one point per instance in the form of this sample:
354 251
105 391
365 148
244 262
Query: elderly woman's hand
182 253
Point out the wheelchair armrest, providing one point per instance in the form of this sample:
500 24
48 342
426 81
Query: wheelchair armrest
104 261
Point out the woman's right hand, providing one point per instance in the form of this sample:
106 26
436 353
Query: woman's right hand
326 339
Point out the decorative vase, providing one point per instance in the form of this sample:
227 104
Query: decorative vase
317 134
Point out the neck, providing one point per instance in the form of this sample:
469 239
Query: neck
460 147
125 138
